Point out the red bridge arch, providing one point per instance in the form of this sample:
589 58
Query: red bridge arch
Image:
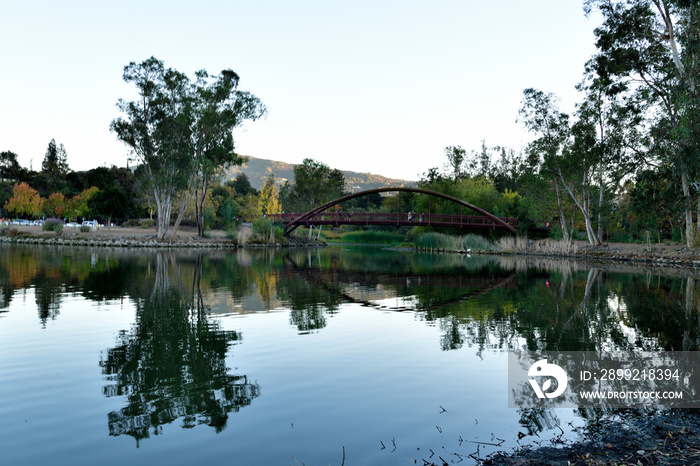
298 221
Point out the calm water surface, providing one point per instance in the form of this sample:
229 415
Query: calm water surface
300 356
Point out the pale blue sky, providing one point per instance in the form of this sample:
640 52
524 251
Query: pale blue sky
374 86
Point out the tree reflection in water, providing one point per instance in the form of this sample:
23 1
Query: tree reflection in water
171 364
491 303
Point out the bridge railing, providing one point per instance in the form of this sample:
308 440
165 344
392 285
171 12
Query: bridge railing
382 218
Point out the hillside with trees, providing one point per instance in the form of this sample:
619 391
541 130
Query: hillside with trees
258 171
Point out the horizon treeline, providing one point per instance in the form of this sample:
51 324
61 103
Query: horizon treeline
625 165
58 191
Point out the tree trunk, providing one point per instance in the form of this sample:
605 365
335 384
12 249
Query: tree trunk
697 227
185 202
200 206
590 230
592 237
671 38
571 228
562 217
190 190
200 230
161 282
159 217
601 189
583 306
163 213
648 240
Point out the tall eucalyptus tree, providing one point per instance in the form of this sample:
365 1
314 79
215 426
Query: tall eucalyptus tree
650 49
181 132
607 134
156 127
540 115
219 108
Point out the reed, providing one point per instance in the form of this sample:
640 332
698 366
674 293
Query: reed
543 246
433 241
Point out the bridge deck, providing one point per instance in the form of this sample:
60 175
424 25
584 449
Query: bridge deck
414 219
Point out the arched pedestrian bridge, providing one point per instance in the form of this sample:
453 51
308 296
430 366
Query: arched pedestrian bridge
319 215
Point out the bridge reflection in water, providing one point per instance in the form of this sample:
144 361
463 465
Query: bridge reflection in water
400 291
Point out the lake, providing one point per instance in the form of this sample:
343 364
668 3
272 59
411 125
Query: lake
344 354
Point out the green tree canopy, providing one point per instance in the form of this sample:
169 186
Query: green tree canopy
54 169
314 184
241 184
10 168
219 107
181 131
649 50
111 203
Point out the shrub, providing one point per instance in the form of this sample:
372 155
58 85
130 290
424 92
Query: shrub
7 231
621 237
147 223
676 234
84 228
53 224
263 230
443 242
132 222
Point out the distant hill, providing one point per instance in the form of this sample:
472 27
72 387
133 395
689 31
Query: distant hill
257 171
